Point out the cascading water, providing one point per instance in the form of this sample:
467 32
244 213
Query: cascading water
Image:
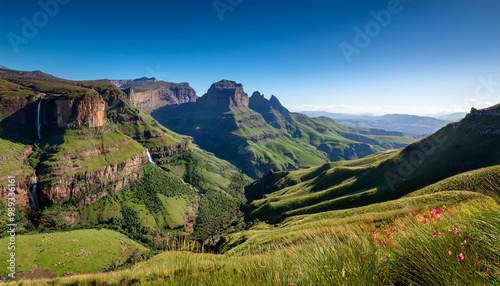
38 122
34 192
150 159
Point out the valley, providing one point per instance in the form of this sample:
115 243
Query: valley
229 187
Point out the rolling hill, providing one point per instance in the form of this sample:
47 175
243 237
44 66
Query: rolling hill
466 145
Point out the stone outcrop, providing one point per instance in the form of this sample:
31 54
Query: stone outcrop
225 93
74 113
492 111
271 109
151 97
169 151
85 184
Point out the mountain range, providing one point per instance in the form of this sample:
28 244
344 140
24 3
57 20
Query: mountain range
396 122
144 165
259 135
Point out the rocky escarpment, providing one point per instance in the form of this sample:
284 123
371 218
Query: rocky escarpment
484 121
83 186
491 111
150 97
271 109
225 93
67 113
169 153
125 83
54 112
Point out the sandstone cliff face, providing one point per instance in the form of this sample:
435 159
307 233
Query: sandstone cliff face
83 185
76 113
15 108
225 93
148 100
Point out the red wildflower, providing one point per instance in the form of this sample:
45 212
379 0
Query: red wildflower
436 212
460 256
449 251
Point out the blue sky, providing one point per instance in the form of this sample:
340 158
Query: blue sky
431 57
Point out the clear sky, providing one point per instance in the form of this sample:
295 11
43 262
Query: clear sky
429 57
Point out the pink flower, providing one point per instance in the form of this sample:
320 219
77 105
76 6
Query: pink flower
362 229
367 255
409 237
374 231
403 229
460 256
449 251
436 212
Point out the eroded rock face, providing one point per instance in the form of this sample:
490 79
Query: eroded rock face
492 111
74 113
148 100
225 93
84 184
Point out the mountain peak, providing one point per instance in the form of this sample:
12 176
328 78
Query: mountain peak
225 93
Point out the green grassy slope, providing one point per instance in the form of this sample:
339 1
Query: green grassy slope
159 200
78 251
286 141
404 253
380 177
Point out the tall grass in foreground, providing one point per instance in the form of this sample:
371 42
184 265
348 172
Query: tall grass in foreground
460 246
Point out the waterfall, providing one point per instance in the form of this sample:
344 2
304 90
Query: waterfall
34 192
150 159
38 123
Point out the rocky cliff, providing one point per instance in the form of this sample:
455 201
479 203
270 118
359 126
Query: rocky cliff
271 109
225 93
83 186
491 111
88 112
150 97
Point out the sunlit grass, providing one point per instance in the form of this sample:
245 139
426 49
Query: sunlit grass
413 250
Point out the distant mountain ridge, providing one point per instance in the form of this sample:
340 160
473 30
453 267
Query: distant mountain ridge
259 134
395 122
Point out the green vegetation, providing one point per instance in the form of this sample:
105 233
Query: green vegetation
275 139
157 201
78 251
406 252
381 177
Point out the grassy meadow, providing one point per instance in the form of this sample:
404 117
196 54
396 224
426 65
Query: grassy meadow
457 245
